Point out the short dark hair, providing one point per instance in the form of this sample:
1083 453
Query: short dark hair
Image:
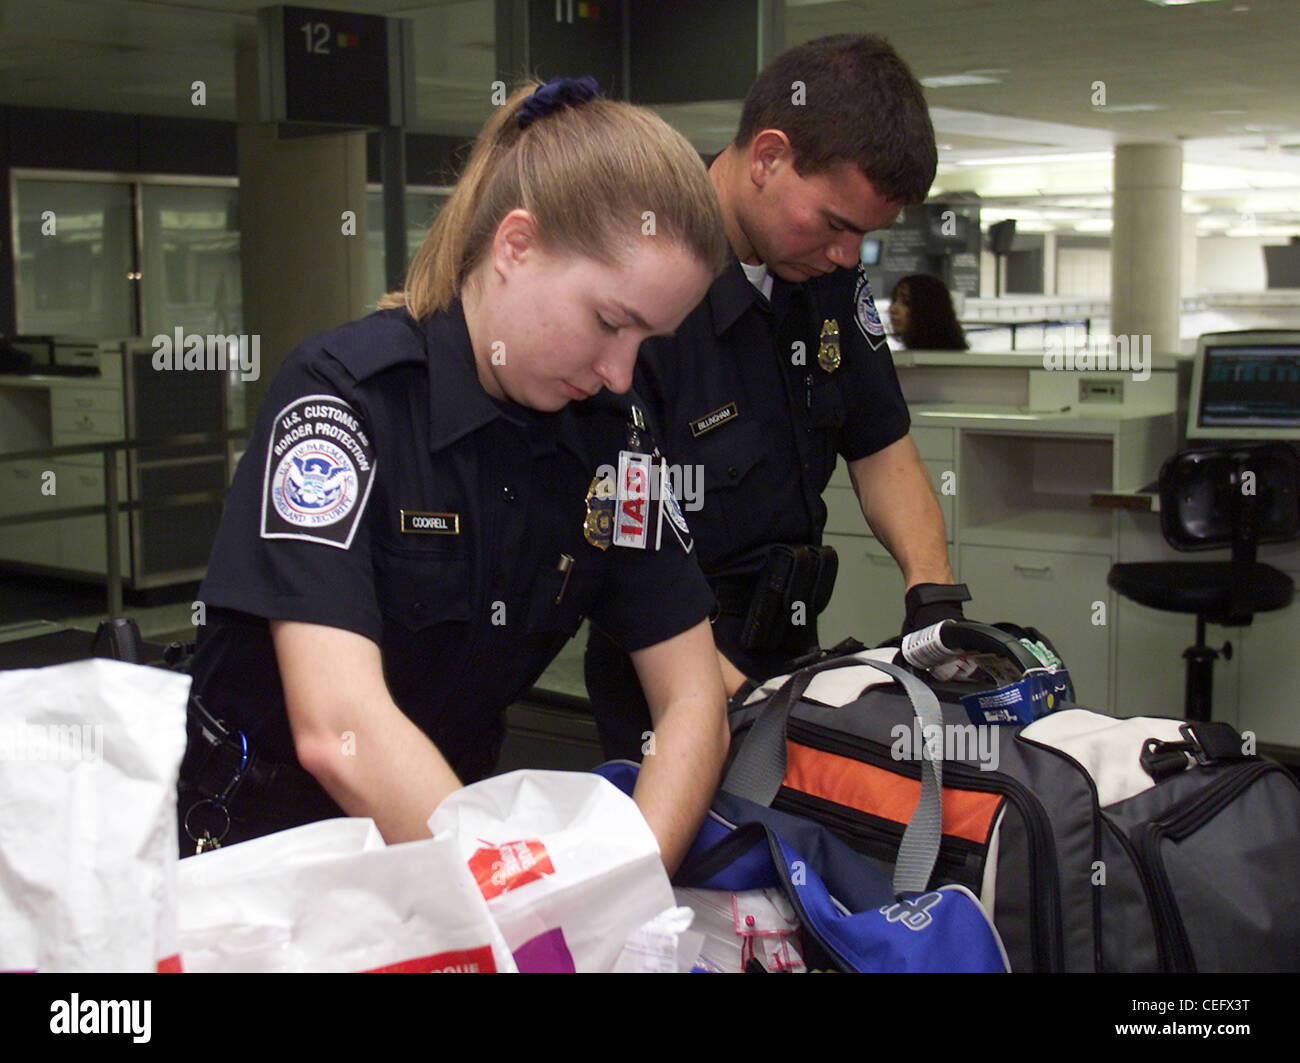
859 102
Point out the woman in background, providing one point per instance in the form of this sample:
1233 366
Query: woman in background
922 315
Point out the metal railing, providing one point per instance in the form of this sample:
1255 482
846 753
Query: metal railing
114 504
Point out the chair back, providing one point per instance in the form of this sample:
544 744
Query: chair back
1235 497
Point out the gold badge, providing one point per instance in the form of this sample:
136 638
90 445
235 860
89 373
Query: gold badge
828 353
598 528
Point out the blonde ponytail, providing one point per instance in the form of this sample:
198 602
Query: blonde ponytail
596 176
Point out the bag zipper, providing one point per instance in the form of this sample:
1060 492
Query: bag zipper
960 860
1044 894
1178 822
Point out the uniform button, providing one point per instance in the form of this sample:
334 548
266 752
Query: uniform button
420 609
733 472
508 493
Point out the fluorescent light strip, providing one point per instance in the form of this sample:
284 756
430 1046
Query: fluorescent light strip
1016 160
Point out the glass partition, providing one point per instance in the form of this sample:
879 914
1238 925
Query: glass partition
74 253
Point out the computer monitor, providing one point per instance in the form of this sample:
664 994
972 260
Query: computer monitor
1246 385
870 252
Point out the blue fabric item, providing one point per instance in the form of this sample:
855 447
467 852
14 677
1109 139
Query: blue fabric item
941 930
555 95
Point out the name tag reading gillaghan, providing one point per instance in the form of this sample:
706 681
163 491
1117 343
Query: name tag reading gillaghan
415 523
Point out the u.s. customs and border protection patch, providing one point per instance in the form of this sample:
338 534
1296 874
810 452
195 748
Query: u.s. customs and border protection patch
828 349
865 312
669 508
320 465
598 527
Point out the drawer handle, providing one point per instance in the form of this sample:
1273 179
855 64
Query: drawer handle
1032 570
85 404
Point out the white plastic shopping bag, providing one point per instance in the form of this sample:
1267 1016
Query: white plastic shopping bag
89 754
331 896
568 865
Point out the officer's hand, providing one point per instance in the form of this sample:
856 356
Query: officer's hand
928 603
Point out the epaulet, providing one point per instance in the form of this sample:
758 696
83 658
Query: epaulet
374 343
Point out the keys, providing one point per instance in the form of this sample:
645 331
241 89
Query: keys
206 842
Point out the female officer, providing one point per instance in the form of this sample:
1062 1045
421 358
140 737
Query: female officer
423 515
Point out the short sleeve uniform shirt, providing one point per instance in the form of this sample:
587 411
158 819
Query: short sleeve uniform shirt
759 396
385 493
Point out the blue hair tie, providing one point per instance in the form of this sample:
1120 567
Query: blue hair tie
555 95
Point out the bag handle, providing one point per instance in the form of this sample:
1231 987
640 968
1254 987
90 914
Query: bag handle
758 769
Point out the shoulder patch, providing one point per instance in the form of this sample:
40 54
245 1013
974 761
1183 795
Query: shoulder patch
865 312
319 469
672 510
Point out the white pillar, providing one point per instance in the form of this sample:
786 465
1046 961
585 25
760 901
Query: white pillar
1145 271
301 274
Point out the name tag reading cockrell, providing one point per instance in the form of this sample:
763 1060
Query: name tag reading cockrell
416 523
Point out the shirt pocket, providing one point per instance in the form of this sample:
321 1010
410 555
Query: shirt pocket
737 486
577 597
419 588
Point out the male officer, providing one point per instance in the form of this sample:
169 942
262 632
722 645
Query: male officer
784 365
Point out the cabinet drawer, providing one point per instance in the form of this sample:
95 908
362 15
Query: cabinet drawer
844 513
31 544
82 545
1063 595
25 488
106 400
936 443
75 426
83 485
868 600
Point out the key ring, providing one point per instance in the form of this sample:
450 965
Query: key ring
207 840
219 802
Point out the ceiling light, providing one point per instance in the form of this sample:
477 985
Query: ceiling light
1180 3
1122 108
1015 160
952 81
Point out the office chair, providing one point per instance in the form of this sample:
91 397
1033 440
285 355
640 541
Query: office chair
1210 498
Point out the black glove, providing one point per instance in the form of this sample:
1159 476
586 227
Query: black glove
928 603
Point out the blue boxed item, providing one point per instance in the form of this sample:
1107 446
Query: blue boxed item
1037 694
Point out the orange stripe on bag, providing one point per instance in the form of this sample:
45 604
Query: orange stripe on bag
880 792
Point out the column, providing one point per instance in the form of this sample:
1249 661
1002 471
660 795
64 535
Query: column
1145 272
302 273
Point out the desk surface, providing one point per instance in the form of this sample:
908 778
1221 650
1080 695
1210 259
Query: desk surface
48 380
1103 419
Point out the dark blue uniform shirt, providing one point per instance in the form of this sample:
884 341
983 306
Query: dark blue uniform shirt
384 492
740 391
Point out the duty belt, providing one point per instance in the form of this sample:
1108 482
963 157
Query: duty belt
220 766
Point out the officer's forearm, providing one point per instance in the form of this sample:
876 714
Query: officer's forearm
351 737
683 763
898 501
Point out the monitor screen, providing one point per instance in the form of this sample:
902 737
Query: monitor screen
870 252
1246 385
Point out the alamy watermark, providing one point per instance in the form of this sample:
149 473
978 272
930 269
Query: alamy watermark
1078 350
949 742
685 482
220 353
52 741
